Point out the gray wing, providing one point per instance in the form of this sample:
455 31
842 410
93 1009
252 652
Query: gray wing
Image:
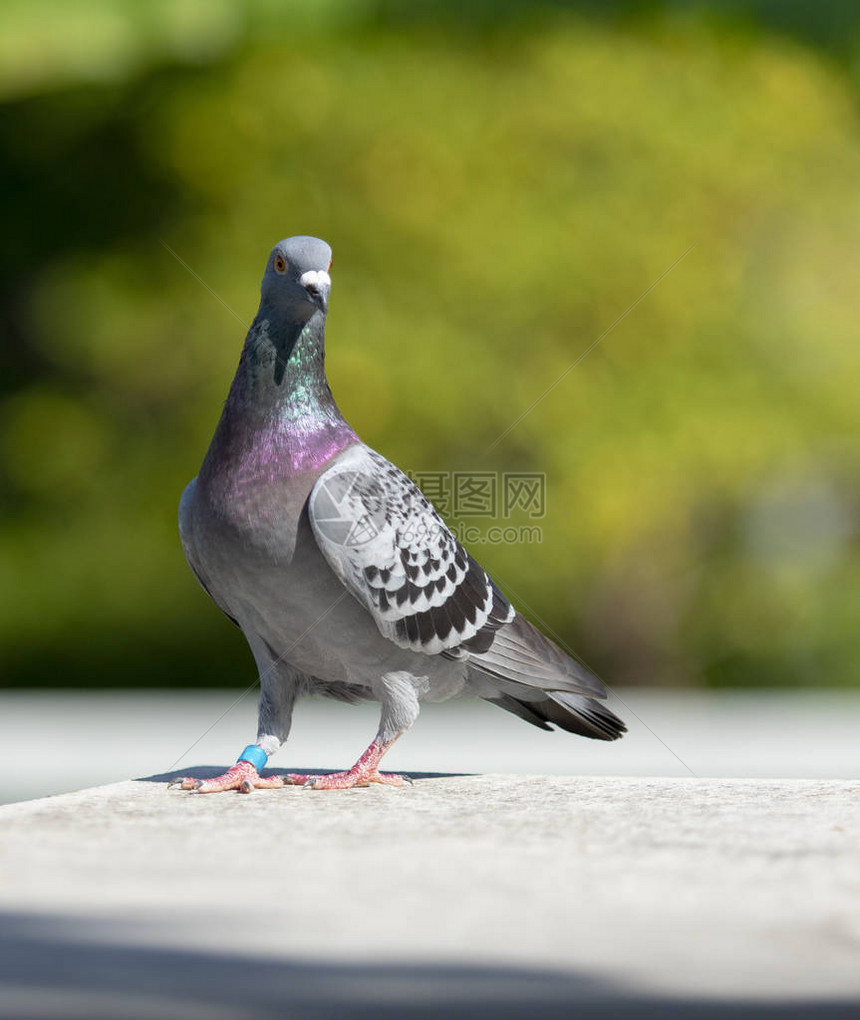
395 554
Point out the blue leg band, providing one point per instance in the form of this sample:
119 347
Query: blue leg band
255 755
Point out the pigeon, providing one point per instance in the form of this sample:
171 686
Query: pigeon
343 578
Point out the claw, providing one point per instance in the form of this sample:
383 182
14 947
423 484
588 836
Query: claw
185 783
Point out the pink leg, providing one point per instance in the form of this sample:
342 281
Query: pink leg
242 777
363 773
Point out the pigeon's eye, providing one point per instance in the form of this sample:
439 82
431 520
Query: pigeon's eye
329 264
280 264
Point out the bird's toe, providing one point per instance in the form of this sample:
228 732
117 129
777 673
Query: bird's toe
391 779
355 778
241 774
186 783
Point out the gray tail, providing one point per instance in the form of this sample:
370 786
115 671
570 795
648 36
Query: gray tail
572 712
520 653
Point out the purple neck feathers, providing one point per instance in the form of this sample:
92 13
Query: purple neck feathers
280 418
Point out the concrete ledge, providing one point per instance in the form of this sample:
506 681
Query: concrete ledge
482 892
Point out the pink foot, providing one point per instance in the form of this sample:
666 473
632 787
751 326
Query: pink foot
355 777
363 773
242 777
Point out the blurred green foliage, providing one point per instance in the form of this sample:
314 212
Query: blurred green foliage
499 183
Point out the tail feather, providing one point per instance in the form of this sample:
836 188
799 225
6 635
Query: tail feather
570 712
523 709
525 673
519 652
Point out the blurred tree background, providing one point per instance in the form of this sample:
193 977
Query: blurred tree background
500 182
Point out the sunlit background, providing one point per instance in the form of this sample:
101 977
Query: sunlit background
500 183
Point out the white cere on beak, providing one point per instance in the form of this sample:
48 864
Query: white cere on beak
315 278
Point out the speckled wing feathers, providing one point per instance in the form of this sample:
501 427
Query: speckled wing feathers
392 550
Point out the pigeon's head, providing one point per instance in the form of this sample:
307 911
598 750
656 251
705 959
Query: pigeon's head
296 283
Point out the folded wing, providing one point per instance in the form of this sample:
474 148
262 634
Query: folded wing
395 554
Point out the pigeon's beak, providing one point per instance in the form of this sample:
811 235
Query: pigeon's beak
317 283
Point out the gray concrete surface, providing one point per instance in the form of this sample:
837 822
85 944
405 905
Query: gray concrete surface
53 743
463 896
